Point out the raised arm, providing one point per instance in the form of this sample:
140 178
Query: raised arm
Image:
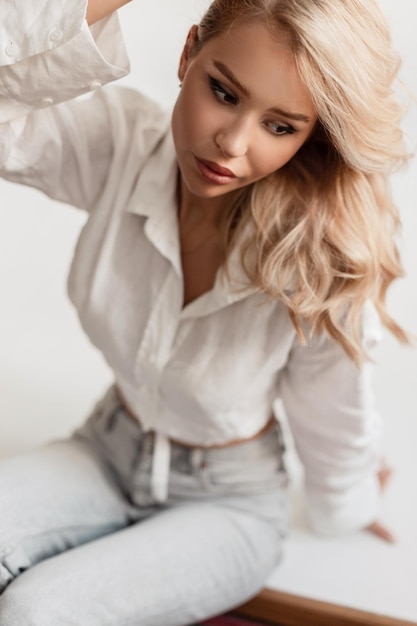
65 151
97 9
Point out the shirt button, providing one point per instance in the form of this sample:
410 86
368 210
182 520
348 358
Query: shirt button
94 84
12 49
47 100
56 34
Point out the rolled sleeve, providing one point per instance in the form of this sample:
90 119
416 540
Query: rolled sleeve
337 430
48 59
30 27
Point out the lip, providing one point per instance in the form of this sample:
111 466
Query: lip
213 172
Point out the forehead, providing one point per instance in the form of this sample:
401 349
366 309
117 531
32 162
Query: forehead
262 60
254 35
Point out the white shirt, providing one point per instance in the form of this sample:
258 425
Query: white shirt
205 373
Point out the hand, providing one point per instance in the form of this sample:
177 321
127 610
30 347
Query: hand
384 474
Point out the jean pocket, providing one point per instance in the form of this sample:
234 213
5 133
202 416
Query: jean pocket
114 435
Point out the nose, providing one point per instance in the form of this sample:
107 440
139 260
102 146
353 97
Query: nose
233 140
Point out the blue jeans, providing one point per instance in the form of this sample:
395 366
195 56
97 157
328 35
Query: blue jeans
84 543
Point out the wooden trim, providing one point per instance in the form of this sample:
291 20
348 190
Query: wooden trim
286 609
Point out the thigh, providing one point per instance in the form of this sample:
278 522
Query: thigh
51 499
178 567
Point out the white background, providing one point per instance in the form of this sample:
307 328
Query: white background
50 376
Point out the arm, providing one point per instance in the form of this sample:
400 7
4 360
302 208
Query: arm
331 412
97 9
54 57
48 54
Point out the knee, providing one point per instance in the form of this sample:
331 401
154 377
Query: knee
28 601
20 603
17 609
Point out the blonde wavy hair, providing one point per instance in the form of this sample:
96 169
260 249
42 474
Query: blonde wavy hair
325 223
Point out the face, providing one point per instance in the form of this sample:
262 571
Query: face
242 112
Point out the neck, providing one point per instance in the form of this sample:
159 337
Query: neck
201 212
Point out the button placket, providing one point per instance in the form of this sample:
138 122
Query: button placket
158 339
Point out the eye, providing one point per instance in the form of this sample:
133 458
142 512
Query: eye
280 129
222 94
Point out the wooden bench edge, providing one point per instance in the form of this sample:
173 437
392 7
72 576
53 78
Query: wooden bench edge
287 609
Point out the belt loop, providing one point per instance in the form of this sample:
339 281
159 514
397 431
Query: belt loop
280 433
197 458
160 467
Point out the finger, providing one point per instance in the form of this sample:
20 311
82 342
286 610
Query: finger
384 475
381 532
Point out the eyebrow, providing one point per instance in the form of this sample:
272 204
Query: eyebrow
227 72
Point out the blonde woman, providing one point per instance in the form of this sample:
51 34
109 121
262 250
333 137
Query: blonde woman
236 251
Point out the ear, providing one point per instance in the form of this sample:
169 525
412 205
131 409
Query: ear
186 55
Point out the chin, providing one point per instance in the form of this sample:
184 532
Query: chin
206 191
212 193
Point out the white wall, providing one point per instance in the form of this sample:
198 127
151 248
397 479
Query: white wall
49 374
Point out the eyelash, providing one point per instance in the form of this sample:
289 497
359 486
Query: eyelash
225 97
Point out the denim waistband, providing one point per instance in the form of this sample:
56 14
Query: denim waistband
162 448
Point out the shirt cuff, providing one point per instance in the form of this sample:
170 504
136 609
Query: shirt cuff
93 57
331 514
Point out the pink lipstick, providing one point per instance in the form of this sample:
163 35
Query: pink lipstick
213 172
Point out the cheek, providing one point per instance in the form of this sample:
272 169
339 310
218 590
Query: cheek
269 159
194 117
271 155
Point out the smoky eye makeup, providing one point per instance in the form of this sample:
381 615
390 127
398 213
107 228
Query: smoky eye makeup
279 129
221 93
225 96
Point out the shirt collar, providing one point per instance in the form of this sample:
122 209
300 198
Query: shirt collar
155 197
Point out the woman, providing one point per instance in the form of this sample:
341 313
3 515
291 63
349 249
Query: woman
235 253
